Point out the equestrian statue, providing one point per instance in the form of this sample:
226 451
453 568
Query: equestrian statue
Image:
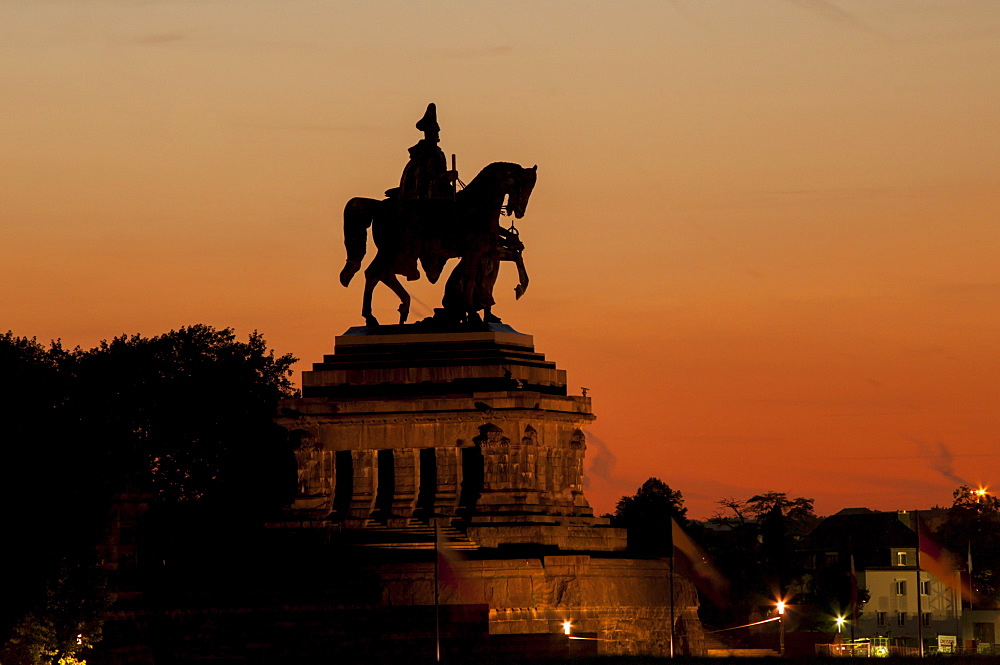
426 220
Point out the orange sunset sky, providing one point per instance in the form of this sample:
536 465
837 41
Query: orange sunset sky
764 233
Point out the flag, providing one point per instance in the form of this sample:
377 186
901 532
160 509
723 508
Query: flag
446 562
693 563
939 562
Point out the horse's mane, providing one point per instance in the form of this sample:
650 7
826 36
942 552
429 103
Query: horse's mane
488 172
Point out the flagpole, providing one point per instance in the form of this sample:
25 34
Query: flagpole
956 607
920 617
671 592
854 595
437 605
968 564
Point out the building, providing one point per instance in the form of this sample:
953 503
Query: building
883 546
903 604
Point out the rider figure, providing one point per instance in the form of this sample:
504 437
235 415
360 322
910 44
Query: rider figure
426 190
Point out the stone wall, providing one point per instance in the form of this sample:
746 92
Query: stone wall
624 602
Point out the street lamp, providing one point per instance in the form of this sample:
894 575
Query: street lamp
567 627
840 624
781 627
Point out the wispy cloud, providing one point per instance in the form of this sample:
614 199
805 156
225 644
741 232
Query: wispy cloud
163 38
682 9
941 460
149 39
602 466
288 125
831 12
471 52
868 458
968 289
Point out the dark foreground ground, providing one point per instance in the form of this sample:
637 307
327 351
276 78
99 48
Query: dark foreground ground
641 660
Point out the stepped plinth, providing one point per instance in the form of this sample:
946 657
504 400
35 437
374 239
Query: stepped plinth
404 426
395 361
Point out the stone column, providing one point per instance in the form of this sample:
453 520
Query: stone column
578 448
407 475
495 448
560 492
449 480
365 484
527 479
315 486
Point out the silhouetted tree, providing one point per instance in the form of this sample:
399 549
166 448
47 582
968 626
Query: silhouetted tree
754 543
36 481
828 594
796 513
647 514
185 416
974 524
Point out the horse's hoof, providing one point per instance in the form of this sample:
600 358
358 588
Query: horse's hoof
371 322
349 271
489 317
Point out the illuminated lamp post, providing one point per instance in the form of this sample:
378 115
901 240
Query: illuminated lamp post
840 624
781 628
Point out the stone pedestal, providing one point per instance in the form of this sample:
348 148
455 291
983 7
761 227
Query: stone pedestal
471 428
405 432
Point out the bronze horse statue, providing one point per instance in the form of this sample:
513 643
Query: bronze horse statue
468 229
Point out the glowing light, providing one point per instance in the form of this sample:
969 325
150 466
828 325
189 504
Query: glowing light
840 624
567 626
781 607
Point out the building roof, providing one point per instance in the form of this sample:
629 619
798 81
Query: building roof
868 534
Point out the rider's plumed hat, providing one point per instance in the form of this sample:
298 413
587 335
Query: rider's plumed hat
429 122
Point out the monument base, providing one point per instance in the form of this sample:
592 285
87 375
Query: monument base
406 426
467 432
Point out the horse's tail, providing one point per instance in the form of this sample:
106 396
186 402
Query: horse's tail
358 216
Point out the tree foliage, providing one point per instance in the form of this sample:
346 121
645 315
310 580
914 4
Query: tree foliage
647 514
754 543
796 513
974 526
189 410
184 417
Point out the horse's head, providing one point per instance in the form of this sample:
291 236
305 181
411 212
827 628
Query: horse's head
498 181
522 181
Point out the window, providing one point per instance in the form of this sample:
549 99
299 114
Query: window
880 618
900 587
900 558
925 587
925 618
900 618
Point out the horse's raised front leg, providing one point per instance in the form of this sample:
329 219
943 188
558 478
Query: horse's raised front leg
522 276
404 298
